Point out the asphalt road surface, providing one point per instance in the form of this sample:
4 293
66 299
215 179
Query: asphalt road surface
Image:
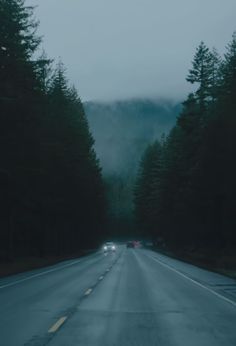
135 297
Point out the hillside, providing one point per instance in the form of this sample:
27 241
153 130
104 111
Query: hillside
122 129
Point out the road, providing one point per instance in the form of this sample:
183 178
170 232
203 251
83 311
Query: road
135 297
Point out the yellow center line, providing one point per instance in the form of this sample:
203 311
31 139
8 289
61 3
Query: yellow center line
57 325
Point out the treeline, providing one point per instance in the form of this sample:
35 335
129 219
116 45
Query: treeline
185 195
122 129
51 191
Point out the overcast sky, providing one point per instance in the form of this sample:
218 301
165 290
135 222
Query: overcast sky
115 49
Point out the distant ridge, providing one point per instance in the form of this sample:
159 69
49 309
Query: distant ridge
122 129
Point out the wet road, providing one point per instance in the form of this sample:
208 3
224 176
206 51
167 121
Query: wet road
134 297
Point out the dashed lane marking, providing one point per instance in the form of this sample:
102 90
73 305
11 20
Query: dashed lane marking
101 277
57 325
195 282
88 292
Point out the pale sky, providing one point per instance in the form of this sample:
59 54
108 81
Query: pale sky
119 49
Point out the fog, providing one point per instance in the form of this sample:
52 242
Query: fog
123 129
131 48
138 52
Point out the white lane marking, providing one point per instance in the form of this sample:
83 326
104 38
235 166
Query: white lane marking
57 325
88 292
101 277
39 274
107 270
195 282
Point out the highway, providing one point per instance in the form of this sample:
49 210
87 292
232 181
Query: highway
135 297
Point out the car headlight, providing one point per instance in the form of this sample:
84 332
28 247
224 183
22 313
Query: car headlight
113 247
105 248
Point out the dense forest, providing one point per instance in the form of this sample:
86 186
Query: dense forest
52 195
185 193
54 198
122 129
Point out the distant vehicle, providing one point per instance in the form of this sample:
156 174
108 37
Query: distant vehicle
130 244
137 244
109 247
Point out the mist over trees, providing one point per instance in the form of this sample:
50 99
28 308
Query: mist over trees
185 194
122 129
52 194
55 198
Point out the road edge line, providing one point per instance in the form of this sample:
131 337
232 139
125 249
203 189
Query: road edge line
194 281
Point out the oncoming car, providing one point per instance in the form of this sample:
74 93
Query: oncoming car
109 247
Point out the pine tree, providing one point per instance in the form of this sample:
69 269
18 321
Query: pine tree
196 203
18 44
77 182
229 71
219 167
216 77
202 73
19 87
53 185
147 189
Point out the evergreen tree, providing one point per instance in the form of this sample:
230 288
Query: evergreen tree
216 77
147 188
196 176
18 103
229 72
50 179
202 72
77 183
218 165
18 44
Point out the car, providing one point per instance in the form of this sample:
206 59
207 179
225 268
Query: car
109 247
130 244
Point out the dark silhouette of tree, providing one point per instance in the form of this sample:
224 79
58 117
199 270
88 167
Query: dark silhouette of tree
147 188
202 73
196 178
51 185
